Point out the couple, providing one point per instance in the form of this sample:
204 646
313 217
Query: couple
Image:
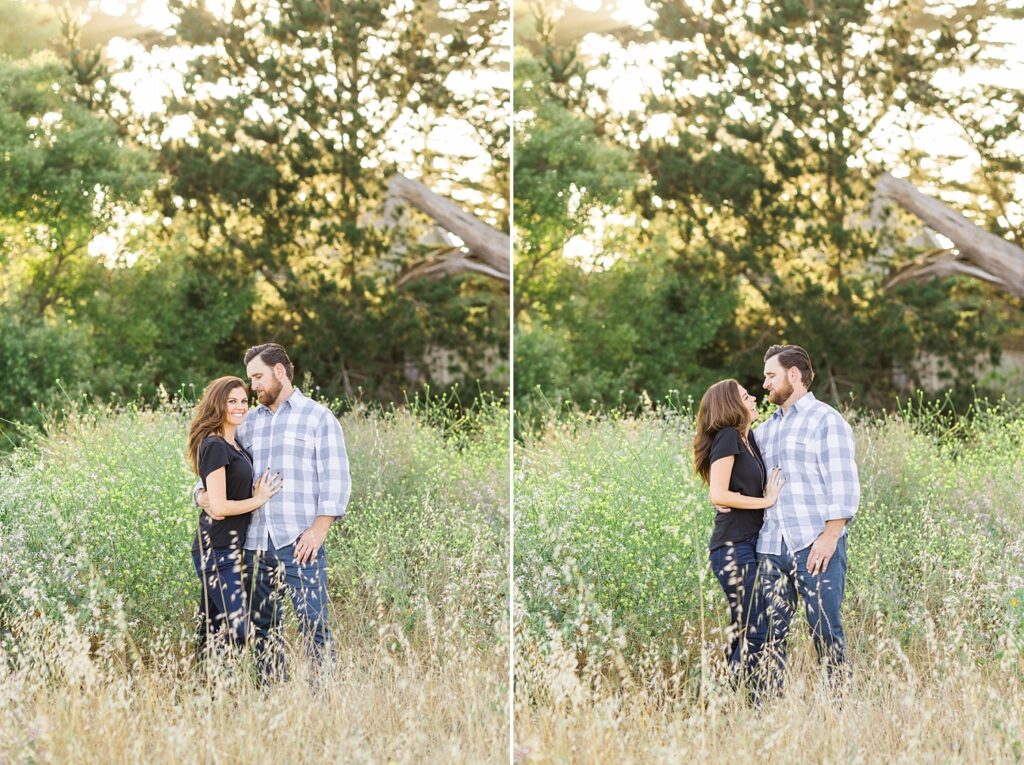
273 480
784 495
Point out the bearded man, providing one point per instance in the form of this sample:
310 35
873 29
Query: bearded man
301 440
802 544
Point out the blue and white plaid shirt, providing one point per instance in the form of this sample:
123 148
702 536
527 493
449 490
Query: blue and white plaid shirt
303 441
814 446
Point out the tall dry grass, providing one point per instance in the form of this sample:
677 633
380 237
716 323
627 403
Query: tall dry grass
97 660
620 624
379 704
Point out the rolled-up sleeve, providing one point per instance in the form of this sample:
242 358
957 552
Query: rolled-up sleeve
335 484
838 465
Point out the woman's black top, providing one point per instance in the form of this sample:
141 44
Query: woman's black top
748 478
215 453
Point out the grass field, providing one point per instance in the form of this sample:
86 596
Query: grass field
619 622
98 594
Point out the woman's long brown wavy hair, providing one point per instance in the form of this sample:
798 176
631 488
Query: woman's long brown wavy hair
210 414
721 407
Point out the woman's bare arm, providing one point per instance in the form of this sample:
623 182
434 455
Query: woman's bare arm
721 472
221 506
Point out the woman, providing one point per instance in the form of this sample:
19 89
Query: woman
226 470
727 458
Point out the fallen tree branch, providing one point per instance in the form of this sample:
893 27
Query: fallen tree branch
487 250
449 265
979 254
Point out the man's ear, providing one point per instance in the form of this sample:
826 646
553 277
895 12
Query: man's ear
279 372
795 378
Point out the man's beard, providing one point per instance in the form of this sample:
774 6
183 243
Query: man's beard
781 395
268 396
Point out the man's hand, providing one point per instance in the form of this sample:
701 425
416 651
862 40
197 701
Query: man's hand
821 553
204 502
308 544
723 509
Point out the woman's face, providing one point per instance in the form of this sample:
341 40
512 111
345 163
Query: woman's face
749 402
237 407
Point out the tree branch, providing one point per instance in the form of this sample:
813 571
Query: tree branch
980 253
488 250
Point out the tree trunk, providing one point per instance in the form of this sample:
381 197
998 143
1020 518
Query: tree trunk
979 253
488 251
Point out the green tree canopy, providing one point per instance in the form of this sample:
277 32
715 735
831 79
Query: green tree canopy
299 113
159 246
756 158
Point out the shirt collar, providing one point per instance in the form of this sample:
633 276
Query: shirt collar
800 405
293 401
805 401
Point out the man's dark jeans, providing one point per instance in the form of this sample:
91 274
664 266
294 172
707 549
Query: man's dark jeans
269 574
735 566
780 577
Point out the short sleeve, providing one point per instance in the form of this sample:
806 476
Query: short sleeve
726 444
213 454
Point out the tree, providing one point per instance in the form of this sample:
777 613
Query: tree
300 112
634 320
565 171
776 111
65 173
485 250
976 253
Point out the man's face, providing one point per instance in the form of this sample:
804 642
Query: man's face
776 381
263 380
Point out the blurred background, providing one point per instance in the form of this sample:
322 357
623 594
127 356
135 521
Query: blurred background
697 181
180 180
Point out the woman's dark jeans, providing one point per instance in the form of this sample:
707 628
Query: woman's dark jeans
222 602
735 566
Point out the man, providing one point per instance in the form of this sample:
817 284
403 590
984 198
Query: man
802 544
302 441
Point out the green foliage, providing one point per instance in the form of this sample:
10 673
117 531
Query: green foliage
748 208
27 28
774 168
639 325
299 115
171 318
98 523
565 172
267 221
36 355
609 534
591 333
64 174
612 526
429 518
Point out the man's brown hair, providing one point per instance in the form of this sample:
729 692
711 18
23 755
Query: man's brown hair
271 354
793 356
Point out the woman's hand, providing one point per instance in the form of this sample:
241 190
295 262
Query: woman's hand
267 486
774 485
